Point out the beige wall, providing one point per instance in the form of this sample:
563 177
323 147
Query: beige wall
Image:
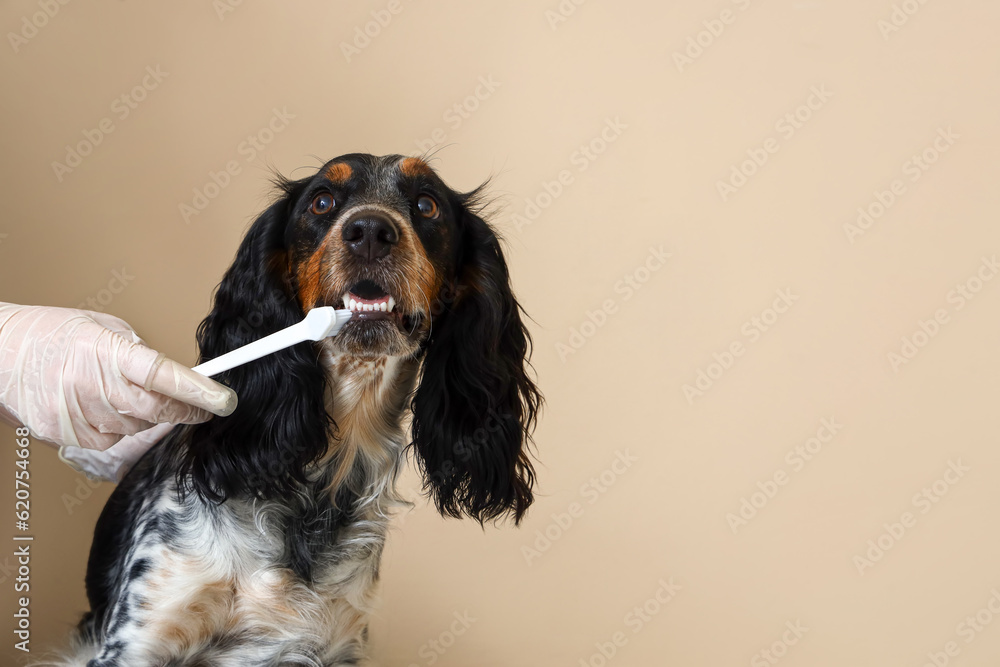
880 96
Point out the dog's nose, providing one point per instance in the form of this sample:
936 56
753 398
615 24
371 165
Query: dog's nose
370 236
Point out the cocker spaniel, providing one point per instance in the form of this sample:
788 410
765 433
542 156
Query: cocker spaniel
255 539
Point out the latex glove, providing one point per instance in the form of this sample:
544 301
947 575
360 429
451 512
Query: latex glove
76 377
112 464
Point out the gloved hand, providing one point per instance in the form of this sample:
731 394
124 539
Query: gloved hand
112 464
76 377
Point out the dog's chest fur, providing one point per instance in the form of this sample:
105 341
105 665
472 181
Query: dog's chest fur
270 583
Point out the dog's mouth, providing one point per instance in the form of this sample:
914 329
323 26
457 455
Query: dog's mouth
367 300
370 302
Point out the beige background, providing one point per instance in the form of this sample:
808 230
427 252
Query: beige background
655 184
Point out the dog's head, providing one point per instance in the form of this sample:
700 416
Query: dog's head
426 279
382 237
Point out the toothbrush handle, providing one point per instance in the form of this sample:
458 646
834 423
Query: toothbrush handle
279 340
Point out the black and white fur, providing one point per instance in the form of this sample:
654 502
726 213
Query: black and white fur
254 540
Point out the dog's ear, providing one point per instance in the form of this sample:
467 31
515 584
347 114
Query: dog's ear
475 406
280 424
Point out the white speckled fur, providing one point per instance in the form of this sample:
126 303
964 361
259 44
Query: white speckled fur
222 578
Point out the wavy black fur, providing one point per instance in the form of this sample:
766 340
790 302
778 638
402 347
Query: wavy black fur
473 411
476 405
281 423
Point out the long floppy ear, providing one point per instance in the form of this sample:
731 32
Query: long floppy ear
280 424
475 406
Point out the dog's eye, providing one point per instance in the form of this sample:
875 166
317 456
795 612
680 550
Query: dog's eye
323 203
427 206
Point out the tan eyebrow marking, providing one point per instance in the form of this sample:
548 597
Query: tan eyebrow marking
338 173
413 166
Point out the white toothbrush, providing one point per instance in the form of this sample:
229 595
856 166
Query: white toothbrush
319 323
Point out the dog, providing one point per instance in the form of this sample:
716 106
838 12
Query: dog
255 539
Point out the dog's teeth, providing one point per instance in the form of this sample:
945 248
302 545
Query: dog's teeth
384 305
